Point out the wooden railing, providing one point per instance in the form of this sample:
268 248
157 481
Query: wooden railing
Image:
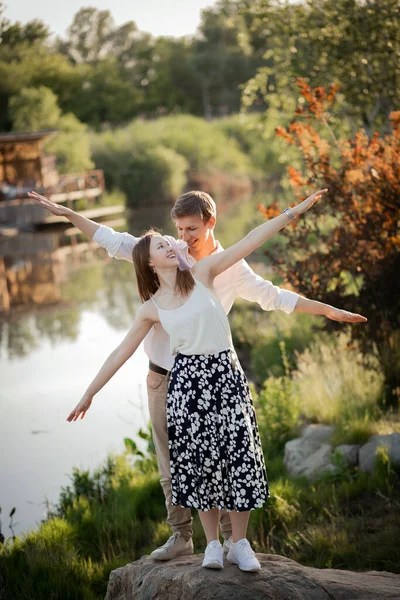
68 187
71 186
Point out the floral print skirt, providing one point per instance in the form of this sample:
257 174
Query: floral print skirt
216 457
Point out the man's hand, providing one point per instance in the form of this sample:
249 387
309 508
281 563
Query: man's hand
337 314
81 408
53 207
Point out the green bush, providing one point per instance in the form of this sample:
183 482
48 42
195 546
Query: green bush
278 412
257 142
202 143
150 161
259 334
145 172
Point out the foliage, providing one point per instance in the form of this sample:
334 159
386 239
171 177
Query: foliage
34 109
338 385
278 412
261 337
109 74
146 172
154 160
347 248
348 42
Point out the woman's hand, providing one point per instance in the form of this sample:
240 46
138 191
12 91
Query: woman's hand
80 408
308 202
53 207
337 314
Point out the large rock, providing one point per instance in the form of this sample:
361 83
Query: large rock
318 433
296 453
279 579
349 452
367 452
318 461
303 455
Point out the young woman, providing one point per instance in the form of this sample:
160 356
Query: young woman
216 457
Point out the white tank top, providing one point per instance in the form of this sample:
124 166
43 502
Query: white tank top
199 326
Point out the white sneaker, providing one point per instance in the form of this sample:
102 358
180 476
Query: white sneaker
213 556
227 544
242 554
176 545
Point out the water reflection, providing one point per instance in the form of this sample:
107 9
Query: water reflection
69 305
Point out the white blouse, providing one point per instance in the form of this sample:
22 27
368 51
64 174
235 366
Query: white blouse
199 326
239 280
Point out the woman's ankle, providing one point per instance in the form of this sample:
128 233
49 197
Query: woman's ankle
213 540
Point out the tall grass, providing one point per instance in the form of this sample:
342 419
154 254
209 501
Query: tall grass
338 385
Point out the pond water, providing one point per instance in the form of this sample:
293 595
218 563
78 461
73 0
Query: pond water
71 305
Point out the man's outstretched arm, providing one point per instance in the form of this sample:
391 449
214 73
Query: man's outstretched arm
254 288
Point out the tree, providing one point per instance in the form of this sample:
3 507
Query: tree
89 36
223 57
353 43
36 109
346 252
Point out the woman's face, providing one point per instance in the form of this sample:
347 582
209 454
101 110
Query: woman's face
162 255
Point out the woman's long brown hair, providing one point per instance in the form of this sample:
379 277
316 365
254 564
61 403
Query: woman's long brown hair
148 282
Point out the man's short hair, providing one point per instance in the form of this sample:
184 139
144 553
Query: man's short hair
194 203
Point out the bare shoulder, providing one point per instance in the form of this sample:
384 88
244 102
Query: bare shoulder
202 270
148 312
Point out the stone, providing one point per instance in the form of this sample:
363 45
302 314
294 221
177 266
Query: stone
318 461
318 433
367 452
350 453
296 453
280 578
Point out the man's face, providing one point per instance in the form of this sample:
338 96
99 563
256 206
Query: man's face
194 231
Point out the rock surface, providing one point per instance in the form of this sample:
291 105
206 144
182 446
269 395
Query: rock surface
367 452
349 453
317 461
279 579
318 433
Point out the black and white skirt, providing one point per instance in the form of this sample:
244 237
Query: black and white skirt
216 457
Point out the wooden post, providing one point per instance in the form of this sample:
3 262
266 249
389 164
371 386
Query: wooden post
4 295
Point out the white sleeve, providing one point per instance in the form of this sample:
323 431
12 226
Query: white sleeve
118 245
251 286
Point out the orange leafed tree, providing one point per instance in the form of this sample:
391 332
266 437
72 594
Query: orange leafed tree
345 250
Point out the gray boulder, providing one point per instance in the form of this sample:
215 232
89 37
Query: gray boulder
318 433
310 452
318 461
296 453
279 579
367 451
349 452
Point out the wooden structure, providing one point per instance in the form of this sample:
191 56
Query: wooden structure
22 162
25 167
35 247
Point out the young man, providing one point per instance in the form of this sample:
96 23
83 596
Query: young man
194 214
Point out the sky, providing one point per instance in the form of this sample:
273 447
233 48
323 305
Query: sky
158 17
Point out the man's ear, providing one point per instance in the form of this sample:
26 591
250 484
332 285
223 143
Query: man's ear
211 222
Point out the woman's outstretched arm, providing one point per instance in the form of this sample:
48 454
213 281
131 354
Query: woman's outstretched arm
219 262
141 326
87 226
